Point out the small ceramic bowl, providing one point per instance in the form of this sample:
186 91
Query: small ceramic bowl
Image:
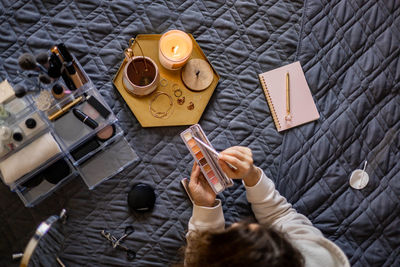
141 76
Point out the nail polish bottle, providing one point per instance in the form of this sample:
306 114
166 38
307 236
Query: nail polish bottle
3 149
5 134
5 137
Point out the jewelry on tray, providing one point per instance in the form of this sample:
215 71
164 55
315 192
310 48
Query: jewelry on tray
164 82
181 100
190 106
175 87
178 92
160 114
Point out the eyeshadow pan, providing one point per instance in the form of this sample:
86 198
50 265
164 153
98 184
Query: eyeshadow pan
207 168
218 187
191 142
210 174
199 155
195 149
203 161
187 136
214 180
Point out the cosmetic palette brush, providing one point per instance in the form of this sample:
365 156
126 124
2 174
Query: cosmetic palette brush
206 157
212 150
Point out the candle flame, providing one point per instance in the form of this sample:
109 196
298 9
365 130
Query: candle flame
175 49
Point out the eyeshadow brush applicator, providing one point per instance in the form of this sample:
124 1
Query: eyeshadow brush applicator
212 150
28 62
43 59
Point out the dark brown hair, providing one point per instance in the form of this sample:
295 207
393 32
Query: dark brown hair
242 245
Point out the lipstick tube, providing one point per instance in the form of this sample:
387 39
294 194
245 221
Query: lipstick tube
85 118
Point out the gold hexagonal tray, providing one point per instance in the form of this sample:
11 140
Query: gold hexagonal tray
178 114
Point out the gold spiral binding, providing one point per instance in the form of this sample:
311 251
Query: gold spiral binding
270 104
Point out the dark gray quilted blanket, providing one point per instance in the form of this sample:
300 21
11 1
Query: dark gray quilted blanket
349 52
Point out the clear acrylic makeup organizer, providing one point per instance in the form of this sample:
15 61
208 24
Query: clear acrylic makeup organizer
108 159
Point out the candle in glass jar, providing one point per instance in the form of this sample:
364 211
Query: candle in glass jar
175 49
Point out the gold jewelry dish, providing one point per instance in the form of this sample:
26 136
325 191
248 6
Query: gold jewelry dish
160 112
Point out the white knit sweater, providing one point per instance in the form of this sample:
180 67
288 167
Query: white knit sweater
270 207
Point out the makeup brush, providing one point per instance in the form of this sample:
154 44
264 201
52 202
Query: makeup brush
20 91
44 78
207 146
28 62
43 59
212 150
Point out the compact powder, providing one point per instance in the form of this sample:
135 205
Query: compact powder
106 133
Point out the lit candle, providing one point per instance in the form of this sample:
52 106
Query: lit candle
175 49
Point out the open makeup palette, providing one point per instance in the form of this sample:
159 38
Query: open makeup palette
206 157
76 134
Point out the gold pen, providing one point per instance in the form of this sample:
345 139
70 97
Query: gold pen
64 109
288 117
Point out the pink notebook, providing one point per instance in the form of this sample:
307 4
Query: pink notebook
301 104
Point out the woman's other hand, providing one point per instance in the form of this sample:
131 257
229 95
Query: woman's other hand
199 188
241 158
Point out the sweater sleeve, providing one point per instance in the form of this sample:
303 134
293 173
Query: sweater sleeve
205 218
270 207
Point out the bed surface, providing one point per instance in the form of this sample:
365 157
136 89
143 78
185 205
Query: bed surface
350 56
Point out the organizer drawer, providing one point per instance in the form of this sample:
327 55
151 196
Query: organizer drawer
46 180
109 161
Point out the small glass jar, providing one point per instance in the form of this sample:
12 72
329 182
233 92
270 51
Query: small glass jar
175 49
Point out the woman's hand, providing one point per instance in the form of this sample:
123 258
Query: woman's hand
199 188
242 159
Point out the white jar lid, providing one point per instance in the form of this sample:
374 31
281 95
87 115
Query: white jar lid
359 179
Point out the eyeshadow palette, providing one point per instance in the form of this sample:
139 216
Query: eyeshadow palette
206 157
